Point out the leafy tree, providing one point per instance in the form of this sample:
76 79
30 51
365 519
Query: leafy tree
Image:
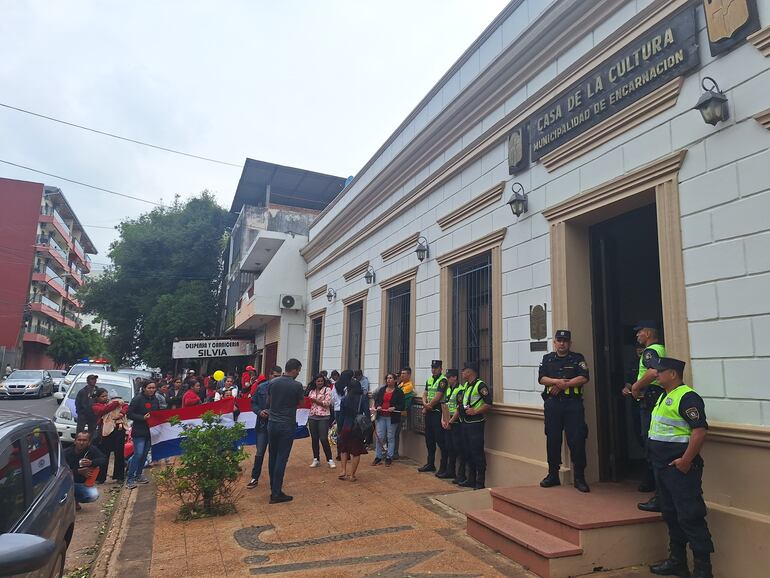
69 345
164 280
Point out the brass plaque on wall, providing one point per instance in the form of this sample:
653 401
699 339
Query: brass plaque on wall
538 322
416 417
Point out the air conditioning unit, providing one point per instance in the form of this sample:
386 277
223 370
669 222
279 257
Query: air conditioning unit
291 302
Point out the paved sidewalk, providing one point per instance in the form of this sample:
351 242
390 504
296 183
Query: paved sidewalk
90 524
385 524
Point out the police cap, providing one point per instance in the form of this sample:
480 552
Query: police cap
646 324
662 363
436 364
472 365
451 373
564 334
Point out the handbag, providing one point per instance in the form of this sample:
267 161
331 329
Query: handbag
362 422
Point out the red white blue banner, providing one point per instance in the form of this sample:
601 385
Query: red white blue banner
166 438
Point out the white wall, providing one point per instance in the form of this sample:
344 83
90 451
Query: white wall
725 194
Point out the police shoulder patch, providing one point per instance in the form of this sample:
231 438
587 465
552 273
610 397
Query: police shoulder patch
692 413
669 401
583 365
484 390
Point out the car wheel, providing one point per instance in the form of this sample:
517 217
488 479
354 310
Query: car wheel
57 570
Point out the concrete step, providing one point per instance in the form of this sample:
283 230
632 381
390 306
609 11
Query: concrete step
529 546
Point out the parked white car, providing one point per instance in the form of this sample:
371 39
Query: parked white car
61 392
66 416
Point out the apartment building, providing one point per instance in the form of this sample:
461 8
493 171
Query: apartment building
265 274
46 253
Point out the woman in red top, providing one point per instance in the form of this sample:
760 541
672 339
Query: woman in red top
192 396
389 401
114 440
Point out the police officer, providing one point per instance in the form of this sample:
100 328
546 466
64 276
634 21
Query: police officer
435 388
455 459
677 432
476 402
564 373
458 439
647 390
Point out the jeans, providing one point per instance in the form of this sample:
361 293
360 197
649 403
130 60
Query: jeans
259 455
281 439
85 494
397 437
386 432
136 463
319 432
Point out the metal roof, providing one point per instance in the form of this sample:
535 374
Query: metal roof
289 186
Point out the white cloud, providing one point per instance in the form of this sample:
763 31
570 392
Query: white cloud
314 84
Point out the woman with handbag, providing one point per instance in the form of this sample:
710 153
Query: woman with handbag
110 434
354 417
389 402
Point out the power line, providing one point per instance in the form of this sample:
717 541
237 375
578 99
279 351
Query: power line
80 183
123 138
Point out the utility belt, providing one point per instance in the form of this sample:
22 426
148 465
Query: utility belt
569 393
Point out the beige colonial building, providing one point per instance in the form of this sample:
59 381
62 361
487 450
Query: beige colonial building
636 209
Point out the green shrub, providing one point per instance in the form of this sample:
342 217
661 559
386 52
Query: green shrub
203 479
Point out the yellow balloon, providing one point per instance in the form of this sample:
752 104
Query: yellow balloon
219 375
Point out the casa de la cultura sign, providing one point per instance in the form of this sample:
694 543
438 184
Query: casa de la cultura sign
203 348
663 53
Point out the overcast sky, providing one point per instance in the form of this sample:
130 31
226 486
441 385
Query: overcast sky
317 84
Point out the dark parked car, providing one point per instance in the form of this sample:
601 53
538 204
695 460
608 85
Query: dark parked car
37 499
27 383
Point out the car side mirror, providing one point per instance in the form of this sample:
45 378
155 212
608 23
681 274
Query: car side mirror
22 553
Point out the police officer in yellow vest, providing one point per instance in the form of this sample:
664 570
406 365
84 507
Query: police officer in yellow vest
435 388
563 373
647 390
451 426
476 402
677 432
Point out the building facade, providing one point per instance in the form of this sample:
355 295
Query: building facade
265 278
635 209
46 251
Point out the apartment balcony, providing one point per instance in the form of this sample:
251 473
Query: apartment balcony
47 245
75 275
70 319
83 260
46 306
51 278
37 334
53 217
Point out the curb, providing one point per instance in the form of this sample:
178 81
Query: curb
112 536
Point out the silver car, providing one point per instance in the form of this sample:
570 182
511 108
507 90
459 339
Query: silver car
74 371
35 383
65 418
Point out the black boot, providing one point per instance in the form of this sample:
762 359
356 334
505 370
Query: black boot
460 477
702 569
449 471
648 482
429 467
442 467
551 480
470 481
479 480
650 506
675 564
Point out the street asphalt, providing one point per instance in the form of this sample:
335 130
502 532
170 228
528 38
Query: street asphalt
43 407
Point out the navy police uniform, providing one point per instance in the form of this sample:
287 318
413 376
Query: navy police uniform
475 395
676 414
565 413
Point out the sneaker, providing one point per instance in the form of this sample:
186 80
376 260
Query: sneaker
315 463
130 485
332 464
252 484
280 499
142 480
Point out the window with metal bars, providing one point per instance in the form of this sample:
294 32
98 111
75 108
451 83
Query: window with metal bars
399 327
472 314
315 347
355 335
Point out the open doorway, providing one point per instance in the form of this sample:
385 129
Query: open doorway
625 287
